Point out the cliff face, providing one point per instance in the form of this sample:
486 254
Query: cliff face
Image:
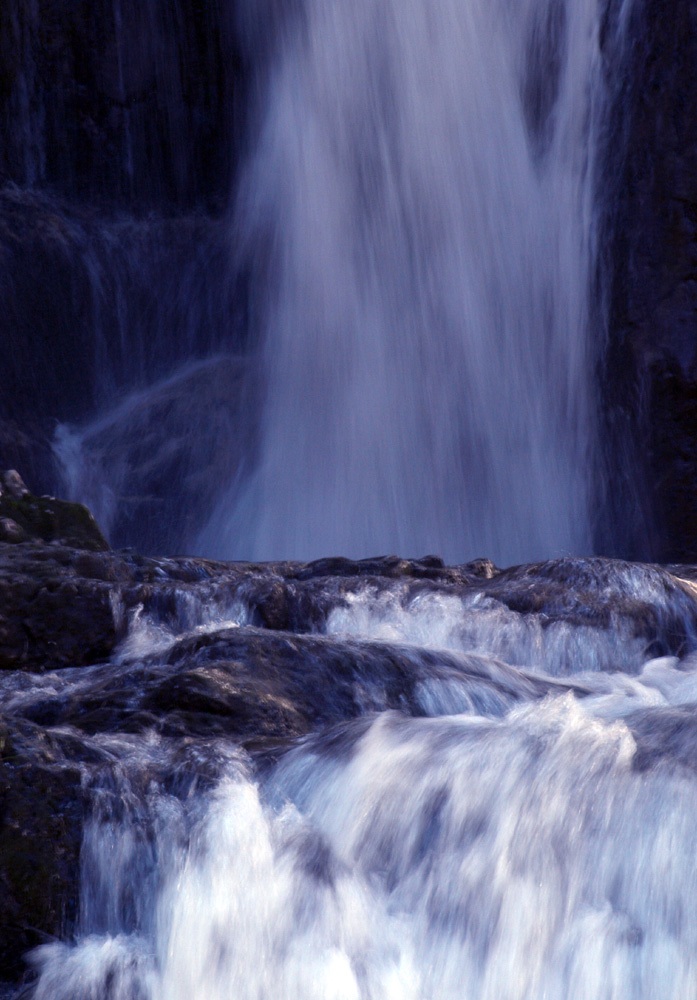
651 371
119 124
121 102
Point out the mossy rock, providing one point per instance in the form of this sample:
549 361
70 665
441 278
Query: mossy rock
51 520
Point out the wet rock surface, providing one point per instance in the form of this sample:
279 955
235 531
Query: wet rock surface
602 593
42 806
64 610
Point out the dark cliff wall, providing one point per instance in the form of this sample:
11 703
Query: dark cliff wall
126 102
651 369
121 123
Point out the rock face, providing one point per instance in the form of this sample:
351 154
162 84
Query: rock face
42 807
63 612
119 101
651 375
120 123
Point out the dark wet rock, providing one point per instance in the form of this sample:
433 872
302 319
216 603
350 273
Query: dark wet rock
51 783
76 705
481 568
41 812
665 734
49 520
269 603
10 531
650 377
253 682
391 568
49 615
13 485
41 628
65 607
684 571
642 602
655 605
313 589
253 685
62 607
304 681
222 699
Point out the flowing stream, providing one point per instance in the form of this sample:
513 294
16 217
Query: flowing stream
455 826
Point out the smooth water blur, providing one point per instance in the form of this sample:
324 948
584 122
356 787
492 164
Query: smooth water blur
412 858
419 220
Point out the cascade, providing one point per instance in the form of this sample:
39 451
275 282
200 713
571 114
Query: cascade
409 265
420 217
451 825
115 164
128 354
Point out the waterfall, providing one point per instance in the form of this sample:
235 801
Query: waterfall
419 217
382 779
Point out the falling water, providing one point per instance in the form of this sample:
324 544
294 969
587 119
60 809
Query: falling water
420 220
386 780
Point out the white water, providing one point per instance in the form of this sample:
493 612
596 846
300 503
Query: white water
556 644
520 847
460 857
419 216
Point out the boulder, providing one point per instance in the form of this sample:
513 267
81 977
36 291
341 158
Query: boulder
29 517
